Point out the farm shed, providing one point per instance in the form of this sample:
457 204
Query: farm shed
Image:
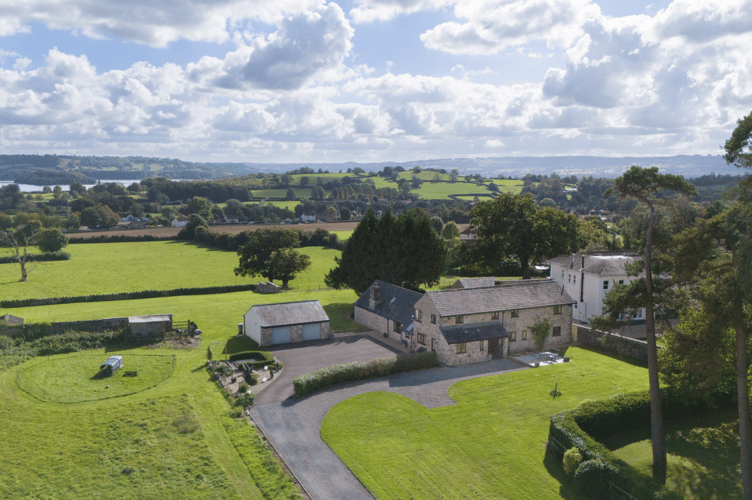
287 322
151 324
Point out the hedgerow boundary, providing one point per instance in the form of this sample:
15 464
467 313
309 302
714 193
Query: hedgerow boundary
144 294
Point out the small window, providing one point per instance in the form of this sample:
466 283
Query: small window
513 336
461 348
422 338
575 305
574 279
397 327
433 319
482 345
605 285
458 320
562 273
621 282
515 313
569 278
495 315
556 332
524 334
557 309
418 315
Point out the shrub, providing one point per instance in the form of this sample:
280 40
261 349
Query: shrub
591 478
209 353
243 388
264 356
251 378
572 460
224 370
37 257
245 400
309 383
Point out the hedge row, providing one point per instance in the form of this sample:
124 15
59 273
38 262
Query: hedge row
579 428
309 383
254 355
37 257
119 238
145 294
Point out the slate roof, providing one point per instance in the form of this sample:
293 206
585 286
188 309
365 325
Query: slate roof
600 263
522 294
290 313
397 303
473 332
475 282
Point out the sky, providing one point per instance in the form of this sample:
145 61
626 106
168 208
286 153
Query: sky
293 81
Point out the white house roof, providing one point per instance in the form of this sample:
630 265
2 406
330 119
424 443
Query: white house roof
482 282
508 295
290 313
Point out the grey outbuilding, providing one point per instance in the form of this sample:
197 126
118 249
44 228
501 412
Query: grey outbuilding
287 322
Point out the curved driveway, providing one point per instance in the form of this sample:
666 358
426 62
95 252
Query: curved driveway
293 424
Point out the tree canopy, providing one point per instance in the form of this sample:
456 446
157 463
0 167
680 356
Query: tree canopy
262 255
403 250
514 225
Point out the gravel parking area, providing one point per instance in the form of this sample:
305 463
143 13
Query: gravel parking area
293 424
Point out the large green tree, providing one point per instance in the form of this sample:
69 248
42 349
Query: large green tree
19 238
256 254
403 250
284 264
647 186
515 226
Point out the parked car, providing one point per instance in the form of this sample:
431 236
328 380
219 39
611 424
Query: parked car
113 364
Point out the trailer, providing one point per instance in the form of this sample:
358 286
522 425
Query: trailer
113 364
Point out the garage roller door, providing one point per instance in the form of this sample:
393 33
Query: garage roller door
312 331
281 335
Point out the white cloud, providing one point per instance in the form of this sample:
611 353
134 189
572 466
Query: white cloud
492 25
383 10
145 21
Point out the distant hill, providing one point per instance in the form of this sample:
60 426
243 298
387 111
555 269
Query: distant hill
518 166
46 170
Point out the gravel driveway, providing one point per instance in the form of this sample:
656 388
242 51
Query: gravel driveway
293 424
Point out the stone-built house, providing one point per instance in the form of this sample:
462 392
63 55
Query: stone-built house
470 325
387 309
589 276
288 322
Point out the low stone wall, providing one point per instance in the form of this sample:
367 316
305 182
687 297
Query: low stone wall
160 324
637 349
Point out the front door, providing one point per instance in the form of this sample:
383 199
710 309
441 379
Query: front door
493 348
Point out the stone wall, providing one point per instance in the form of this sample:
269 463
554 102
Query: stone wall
637 349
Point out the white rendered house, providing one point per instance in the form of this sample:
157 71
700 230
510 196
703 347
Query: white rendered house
587 278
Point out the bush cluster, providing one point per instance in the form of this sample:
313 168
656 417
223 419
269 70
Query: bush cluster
119 238
309 383
144 294
37 257
234 242
244 401
579 428
262 356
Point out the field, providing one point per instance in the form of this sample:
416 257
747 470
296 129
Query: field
98 268
489 445
165 433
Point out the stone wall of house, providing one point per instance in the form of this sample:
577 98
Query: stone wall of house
626 346
371 320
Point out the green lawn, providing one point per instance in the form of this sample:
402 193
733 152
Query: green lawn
489 445
99 268
703 455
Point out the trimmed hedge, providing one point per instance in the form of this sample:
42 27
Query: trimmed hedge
253 355
119 238
309 383
37 257
145 294
593 420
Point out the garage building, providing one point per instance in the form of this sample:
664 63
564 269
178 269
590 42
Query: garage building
288 322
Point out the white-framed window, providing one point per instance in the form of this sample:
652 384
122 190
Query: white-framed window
458 320
574 279
418 315
524 334
515 313
422 338
605 285
461 348
621 282
557 309
433 319
482 345
562 273
569 278
513 336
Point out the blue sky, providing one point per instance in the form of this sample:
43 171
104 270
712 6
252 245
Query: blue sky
372 80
